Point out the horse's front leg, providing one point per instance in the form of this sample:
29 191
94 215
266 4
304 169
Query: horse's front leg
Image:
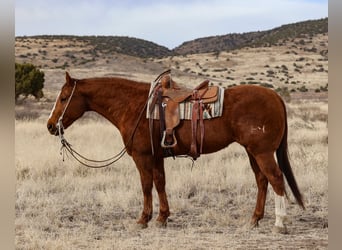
159 182
145 166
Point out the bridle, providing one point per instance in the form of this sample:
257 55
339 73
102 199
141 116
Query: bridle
66 146
60 123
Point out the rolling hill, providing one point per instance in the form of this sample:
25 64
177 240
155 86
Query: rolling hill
254 39
136 47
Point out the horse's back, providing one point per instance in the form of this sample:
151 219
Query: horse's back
252 93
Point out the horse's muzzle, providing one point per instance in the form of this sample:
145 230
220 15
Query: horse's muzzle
52 129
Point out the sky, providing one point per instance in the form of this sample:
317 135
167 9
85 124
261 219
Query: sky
166 22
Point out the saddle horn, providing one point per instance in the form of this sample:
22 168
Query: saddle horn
164 73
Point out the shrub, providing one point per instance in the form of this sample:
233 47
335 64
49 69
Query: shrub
284 93
303 89
29 80
284 67
267 85
325 88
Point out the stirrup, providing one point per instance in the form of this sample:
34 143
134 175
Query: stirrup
166 145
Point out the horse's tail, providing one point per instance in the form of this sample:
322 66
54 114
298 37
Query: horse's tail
285 166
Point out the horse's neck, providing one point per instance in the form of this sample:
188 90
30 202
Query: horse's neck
117 100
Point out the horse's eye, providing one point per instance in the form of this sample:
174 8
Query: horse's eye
63 99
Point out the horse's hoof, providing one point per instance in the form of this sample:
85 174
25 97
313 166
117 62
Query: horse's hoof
139 226
161 224
253 224
280 230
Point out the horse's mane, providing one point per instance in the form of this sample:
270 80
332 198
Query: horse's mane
118 81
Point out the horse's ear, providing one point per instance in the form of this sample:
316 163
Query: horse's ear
68 78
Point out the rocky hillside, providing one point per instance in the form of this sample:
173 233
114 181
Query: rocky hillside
296 67
95 46
275 36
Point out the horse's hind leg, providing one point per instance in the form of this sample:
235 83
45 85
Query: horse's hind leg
271 170
159 182
262 184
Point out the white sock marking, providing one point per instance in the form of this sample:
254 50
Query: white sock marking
280 210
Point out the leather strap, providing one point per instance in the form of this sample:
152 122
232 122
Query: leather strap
166 151
197 114
161 111
201 125
193 148
152 107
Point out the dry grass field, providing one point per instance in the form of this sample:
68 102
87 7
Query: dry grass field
63 205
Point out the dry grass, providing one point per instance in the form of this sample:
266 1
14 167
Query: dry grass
62 205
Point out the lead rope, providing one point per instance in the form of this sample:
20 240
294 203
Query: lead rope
66 146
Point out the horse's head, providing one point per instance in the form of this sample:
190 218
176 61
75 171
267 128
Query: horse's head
69 106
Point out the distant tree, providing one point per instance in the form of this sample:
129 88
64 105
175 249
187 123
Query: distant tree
29 80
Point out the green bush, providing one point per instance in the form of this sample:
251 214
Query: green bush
29 80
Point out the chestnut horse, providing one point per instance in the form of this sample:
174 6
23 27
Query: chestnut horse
253 116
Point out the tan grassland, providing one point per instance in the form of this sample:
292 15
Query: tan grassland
63 205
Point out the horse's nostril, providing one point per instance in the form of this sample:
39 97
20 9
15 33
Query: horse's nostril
49 126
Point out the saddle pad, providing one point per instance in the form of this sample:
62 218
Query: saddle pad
211 110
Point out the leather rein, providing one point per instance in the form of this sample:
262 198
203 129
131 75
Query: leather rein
66 146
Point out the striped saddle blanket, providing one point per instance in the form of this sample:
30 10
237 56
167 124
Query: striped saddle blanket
211 110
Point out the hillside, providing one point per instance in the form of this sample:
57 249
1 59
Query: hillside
296 66
94 45
97 45
254 39
53 53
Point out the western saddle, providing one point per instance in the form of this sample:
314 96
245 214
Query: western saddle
167 94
